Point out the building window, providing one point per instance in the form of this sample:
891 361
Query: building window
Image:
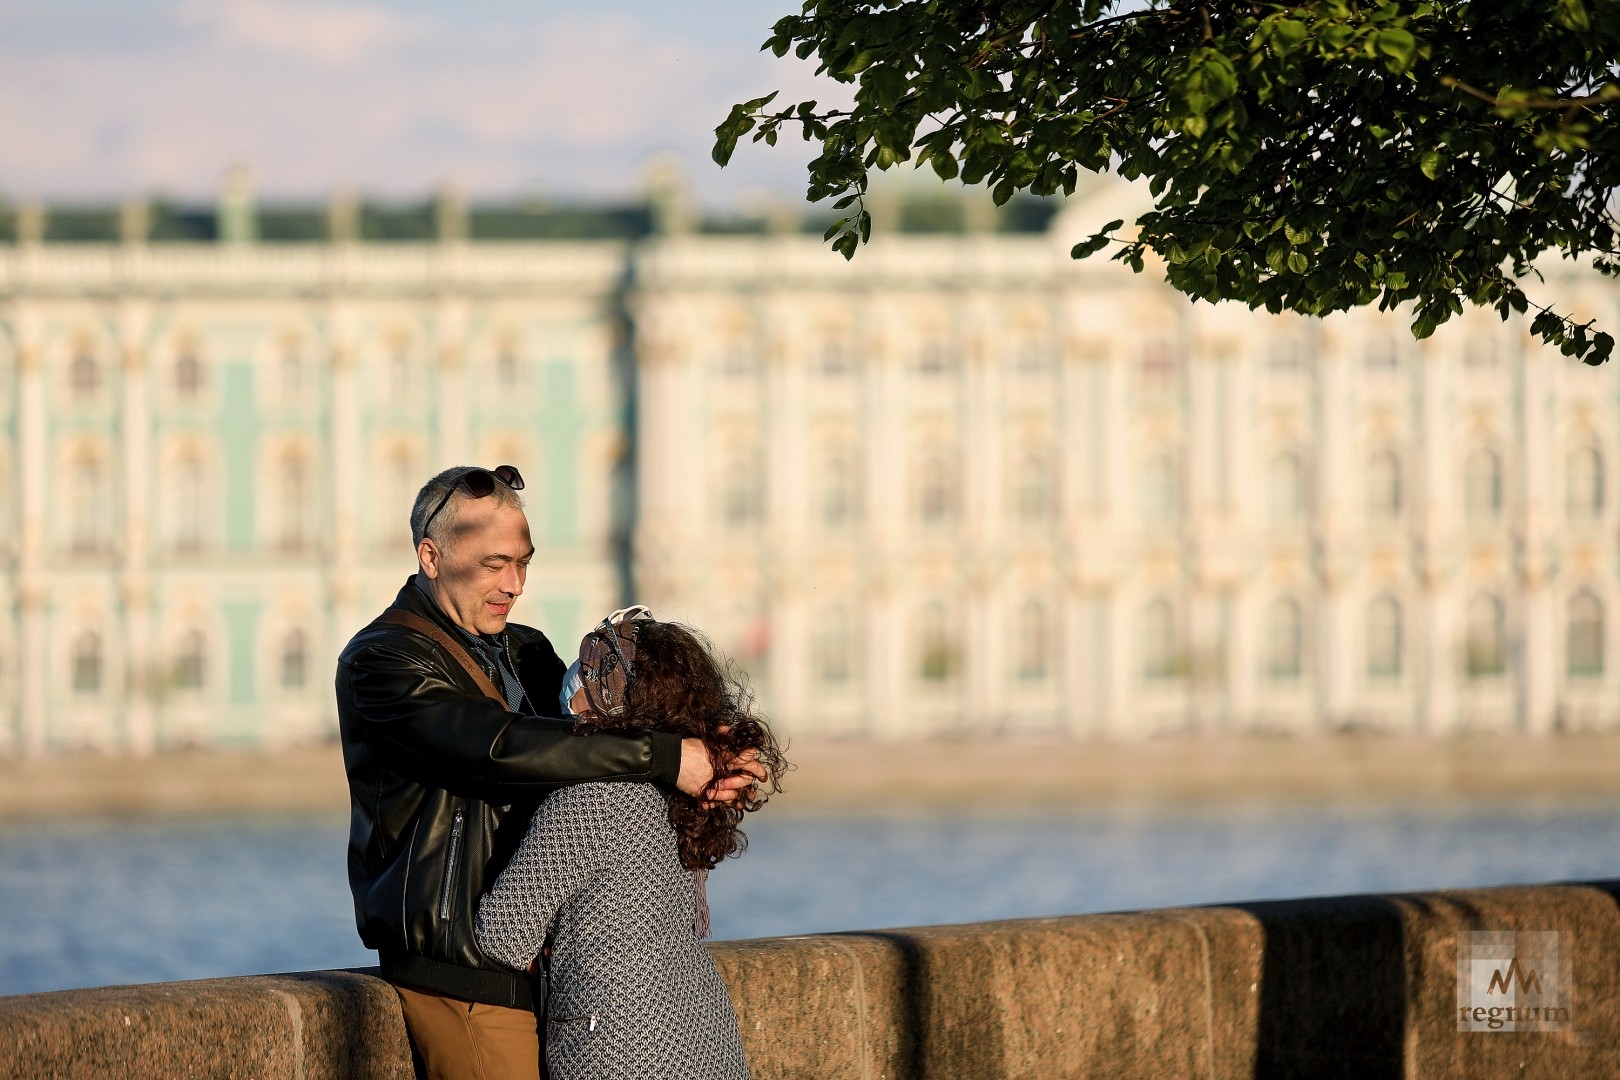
506 368
1158 371
84 376
1161 494
937 490
1285 645
1032 642
1285 488
1161 642
1584 640
1482 486
1383 352
1384 495
935 357
191 661
1032 488
837 357
89 506
188 375
1287 353
742 493
399 375
293 497
834 647
1384 633
936 659
292 374
294 660
1583 484
188 504
87 663
1483 351
840 492
1487 637
1032 356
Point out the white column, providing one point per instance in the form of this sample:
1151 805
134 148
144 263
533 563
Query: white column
888 517
983 454
1123 665
450 345
1243 659
32 589
139 466
347 468
1538 629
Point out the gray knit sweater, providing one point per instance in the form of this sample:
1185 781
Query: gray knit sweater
634 994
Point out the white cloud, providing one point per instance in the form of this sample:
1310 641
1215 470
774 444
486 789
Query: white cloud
326 33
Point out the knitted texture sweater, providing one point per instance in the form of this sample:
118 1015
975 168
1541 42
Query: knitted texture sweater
634 994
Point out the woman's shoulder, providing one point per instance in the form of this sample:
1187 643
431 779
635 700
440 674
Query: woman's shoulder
602 800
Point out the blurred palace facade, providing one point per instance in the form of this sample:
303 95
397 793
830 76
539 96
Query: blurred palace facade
960 485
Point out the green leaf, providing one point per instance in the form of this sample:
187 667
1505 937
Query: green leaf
1399 45
1431 163
1297 262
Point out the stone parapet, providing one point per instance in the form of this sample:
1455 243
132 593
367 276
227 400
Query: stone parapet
1356 987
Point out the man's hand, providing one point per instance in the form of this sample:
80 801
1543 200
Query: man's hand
698 775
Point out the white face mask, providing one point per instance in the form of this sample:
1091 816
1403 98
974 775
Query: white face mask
572 681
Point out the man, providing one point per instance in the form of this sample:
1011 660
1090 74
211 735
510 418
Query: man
446 714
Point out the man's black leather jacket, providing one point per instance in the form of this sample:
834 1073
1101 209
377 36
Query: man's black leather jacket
442 782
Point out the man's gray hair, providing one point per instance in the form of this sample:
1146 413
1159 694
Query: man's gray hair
444 525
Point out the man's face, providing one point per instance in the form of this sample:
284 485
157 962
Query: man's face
481 576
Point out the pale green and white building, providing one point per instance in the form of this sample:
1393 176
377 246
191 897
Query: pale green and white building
959 485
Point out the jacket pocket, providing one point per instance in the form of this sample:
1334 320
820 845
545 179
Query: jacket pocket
451 860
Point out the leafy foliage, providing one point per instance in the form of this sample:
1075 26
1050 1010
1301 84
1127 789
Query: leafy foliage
1303 156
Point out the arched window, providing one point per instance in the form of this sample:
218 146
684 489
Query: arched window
1285 488
742 494
191 661
84 375
188 374
1487 637
936 656
292 374
506 368
937 489
837 356
294 660
1583 643
1032 642
294 501
1482 486
1583 484
1384 494
1384 639
1285 644
1033 487
188 504
1161 642
400 482
88 505
834 647
87 663
840 491
935 357
401 375
1383 351
1161 490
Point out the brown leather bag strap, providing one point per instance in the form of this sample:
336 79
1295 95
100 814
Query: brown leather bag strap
410 619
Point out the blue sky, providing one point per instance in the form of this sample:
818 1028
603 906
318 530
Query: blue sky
108 98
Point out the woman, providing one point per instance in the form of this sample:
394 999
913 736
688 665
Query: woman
610 875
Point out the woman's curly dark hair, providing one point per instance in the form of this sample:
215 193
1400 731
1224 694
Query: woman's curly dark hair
681 686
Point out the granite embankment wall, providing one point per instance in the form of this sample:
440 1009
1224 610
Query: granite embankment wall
1363 987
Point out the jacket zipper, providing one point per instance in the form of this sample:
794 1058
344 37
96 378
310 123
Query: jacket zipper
450 866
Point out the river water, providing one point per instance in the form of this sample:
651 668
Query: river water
87 904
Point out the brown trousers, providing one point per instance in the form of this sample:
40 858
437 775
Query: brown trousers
468 1040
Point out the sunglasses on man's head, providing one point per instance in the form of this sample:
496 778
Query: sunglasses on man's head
478 484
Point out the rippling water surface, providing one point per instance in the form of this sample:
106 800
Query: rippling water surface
85 904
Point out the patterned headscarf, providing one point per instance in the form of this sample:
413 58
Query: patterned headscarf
607 659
